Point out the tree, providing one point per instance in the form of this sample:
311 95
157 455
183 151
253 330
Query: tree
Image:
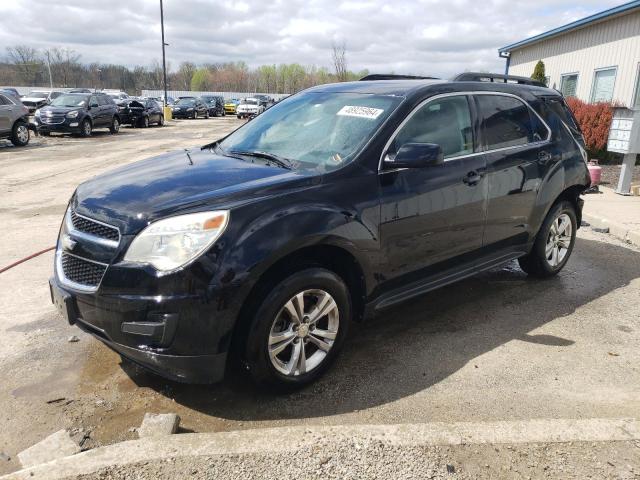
185 75
339 57
27 63
539 74
201 80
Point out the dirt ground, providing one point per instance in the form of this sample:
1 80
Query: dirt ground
498 346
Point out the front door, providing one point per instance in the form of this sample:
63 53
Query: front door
433 214
7 109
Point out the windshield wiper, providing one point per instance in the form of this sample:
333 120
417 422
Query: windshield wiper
280 161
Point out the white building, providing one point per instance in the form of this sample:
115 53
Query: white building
595 59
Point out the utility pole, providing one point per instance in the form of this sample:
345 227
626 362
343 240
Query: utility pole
164 64
49 68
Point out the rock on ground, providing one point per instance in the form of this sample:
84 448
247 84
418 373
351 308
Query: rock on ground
158 424
54 446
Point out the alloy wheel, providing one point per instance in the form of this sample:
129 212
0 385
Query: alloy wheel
303 332
558 240
22 132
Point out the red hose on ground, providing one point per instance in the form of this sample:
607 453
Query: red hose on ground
4 269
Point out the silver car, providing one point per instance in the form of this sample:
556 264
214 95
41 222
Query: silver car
14 120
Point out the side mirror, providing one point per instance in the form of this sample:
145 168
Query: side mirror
416 155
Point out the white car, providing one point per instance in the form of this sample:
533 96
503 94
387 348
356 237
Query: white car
249 107
38 98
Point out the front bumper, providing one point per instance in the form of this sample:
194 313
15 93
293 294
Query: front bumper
181 114
147 331
69 125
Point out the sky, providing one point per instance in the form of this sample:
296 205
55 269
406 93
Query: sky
425 37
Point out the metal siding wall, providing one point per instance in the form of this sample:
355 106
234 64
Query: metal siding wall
614 42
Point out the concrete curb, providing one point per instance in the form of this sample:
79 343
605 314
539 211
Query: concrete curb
616 229
273 440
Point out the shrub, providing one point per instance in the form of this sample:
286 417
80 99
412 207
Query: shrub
539 73
594 120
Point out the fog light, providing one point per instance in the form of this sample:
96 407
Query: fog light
74 124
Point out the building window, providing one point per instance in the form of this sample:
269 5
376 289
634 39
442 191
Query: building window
569 84
603 82
636 95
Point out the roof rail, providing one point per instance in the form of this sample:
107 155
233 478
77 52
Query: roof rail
389 76
496 77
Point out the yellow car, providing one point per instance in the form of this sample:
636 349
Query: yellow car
230 106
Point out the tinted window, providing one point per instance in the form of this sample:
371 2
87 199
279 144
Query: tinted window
446 122
3 100
507 122
103 100
93 101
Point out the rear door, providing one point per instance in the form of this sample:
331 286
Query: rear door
7 109
517 147
434 214
96 113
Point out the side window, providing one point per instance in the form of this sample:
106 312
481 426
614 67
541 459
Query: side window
3 100
446 122
55 95
507 122
93 101
102 100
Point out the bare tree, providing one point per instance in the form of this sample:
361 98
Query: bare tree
185 74
26 61
339 56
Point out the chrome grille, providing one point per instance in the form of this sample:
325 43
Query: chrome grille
82 271
52 120
92 227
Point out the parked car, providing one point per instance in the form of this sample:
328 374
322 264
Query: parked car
230 106
39 98
10 90
335 204
117 96
215 103
265 100
189 107
80 90
249 107
78 113
14 120
141 112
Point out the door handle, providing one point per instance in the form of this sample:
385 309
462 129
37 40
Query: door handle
544 157
472 178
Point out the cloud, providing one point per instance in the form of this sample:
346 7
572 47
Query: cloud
405 36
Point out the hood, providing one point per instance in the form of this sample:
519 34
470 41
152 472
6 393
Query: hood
52 109
33 99
130 197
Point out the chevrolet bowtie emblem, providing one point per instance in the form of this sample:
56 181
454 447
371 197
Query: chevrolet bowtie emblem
68 243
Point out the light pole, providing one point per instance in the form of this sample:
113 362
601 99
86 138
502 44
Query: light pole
164 64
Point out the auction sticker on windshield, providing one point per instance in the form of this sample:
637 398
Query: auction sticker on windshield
361 112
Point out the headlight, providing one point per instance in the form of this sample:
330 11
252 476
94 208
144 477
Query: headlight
37 113
189 109
174 242
73 114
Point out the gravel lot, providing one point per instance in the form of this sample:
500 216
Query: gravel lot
618 460
495 347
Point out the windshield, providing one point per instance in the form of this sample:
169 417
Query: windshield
314 129
38 94
186 101
70 101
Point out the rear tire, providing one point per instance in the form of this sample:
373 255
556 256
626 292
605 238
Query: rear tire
554 242
161 121
195 114
20 134
115 126
145 122
317 338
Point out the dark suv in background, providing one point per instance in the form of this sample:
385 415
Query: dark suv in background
335 204
215 104
78 113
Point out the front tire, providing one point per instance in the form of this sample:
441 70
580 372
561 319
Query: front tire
145 122
554 242
115 126
195 114
161 121
298 329
20 134
85 128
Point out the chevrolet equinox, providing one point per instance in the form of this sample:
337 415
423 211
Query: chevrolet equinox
334 204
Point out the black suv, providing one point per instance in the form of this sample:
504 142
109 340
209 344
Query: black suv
78 113
215 104
333 205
